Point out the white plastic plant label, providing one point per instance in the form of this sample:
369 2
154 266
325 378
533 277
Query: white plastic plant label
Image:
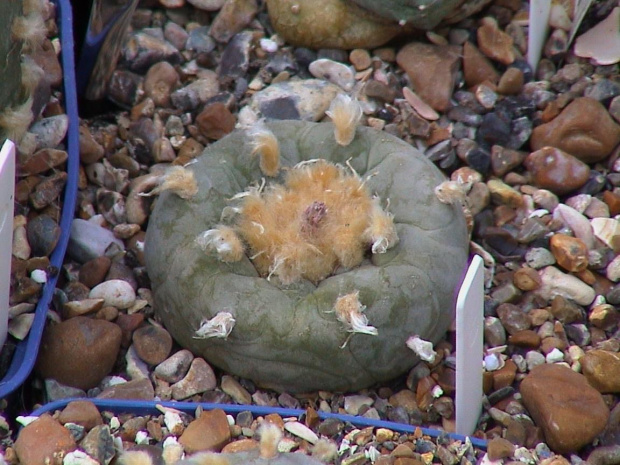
538 30
469 339
7 192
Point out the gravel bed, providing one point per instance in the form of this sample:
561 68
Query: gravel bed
545 223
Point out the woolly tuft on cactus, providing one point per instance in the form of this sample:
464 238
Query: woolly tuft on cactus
349 281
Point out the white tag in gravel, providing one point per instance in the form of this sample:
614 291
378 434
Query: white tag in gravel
469 335
7 190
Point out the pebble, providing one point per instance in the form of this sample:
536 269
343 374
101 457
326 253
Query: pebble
88 240
115 293
232 18
301 100
48 190
50 131
197 92
604 316
142 50
207 5
175 367
554 282
589 139
553 169
42 441
494 331
42 161
91 151
215 121
94 271
43 234
607 230
499 448
234 389
571 253
334 72
79 352
533 358
573 416
601 368
152 343
513 318
432 70
360 59
494 42
613 270
210 431
200 41
302 431
329 24
139 389
199 378
159 82
353 403
19 326
99 444
235 59
511 82
476 67
81 412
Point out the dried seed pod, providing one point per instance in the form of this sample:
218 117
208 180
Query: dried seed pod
270 435
225 242
219 326
265 144
349 310
345 113
381 232
179 180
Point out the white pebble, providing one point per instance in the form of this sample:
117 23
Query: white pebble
533 359
25 420
492 362
437 392
555 356
115 292
115 423
334 72
78 457
268 45
613 269
142 437
302 431
39 276
555 282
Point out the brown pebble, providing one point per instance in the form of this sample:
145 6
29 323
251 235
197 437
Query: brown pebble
612 199
476 67
128 324
81 412
604 316
93 272
526 279
499 448
504 160
140 389
152 343
215 121
241 445
159 81
379 90
494 42
79 352
432 70
589 139
42 161
553 169
209 432
550 343
601 368
525 338
565 310
505 375
571 253
570 418
511 81
43 441
360 59
91 151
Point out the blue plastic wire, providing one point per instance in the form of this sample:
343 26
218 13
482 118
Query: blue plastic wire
143 407
26 351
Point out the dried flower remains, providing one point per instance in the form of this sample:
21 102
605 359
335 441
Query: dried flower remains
322 218
345 113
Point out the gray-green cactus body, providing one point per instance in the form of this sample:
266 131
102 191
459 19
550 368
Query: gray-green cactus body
287 337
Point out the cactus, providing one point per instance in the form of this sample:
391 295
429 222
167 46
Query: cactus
341 329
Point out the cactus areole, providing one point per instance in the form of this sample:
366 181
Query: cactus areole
291 336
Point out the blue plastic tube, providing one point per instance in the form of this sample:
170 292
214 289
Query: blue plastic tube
26 351
143 407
